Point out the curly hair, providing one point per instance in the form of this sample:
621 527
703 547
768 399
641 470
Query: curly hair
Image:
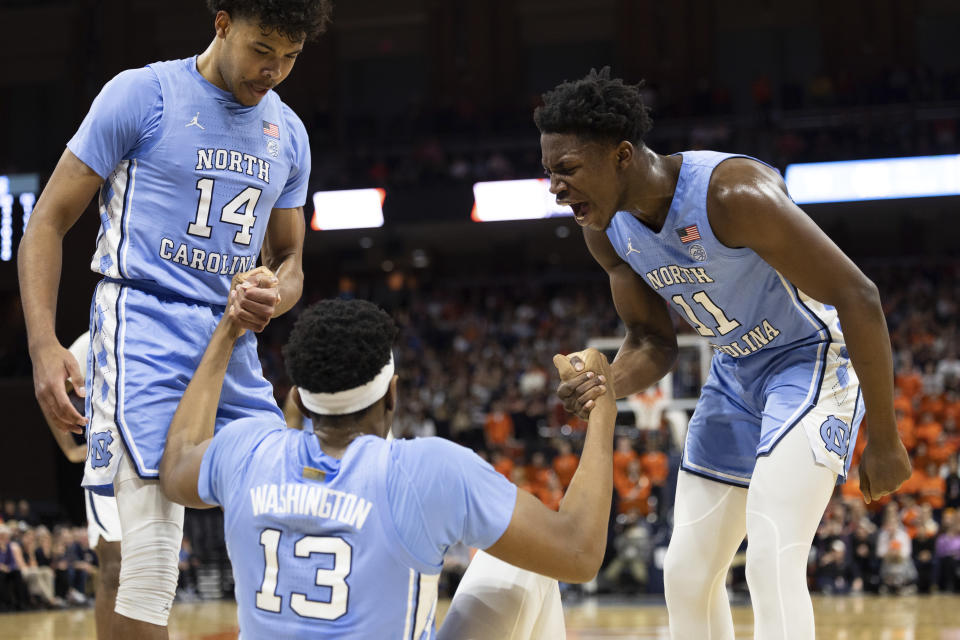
337 345
597 107
294 19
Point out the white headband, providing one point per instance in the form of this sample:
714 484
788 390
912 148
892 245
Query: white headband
349 400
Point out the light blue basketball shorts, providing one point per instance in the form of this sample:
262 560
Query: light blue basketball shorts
145 346
748 404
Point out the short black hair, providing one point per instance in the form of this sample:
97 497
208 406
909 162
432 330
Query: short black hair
597 107
338 344
294 19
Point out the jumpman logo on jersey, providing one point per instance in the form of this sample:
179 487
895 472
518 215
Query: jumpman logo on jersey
195 122
630 248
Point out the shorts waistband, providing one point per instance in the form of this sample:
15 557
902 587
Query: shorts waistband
162 293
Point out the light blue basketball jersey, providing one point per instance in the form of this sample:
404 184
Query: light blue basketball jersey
191 177
780 356
732 297
350 548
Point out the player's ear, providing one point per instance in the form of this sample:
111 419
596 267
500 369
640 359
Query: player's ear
625 152
390 399
221 23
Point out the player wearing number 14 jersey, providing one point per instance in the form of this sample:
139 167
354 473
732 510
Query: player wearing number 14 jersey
201 171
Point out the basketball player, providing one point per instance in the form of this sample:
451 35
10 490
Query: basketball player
103 519
200 169
340 533
717 235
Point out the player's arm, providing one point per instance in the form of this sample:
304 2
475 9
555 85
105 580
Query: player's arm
749 206
282 258
569 544
649 349
191 429
74 452
39 262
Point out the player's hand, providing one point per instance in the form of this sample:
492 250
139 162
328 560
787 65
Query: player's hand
883 469
583 382
254 297
52 365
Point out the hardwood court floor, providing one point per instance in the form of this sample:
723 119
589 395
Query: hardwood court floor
851 618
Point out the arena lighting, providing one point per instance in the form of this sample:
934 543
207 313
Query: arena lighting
515 200
879 179
22 187
348 209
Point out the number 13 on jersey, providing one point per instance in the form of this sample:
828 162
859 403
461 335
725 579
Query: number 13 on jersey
333 578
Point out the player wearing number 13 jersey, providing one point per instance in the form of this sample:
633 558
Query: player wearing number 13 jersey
717 236
201 172
340 533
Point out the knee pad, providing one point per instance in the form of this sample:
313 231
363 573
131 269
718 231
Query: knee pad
150 548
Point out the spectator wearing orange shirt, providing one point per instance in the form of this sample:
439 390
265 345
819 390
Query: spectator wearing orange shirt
908 380
850 490
933 404
902 403
622 457
565 464
551 493
498 427
943 448
537 471
912 485
932 488
928 429
503 463
907 429
519 478
633 490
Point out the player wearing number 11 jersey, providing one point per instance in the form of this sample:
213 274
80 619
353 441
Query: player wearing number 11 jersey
201 171
718 236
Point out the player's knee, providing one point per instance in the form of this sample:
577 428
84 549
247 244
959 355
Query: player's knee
148 572
681 579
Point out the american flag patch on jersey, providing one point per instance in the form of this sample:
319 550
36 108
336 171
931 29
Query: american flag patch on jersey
270 129
688 234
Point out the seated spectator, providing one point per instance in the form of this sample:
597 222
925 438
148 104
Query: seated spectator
39 579
924 546
13 590
834 573
897 572
633 491
932 488
498 426
82 563
928 429
947 553
537 470
25 514
622 457
565 464
550 492
502 463
865 566
187 565
952 483
633 546
907 429
943 448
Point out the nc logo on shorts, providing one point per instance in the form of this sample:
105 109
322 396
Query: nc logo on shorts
834 433
99 452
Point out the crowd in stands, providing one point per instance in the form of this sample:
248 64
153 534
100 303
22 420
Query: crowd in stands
42 567
824 117
475 367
